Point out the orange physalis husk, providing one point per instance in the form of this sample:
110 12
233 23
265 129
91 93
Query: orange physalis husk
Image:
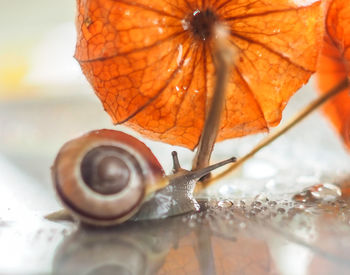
154 71
334 65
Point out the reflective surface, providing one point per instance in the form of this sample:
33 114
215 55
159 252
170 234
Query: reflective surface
259 237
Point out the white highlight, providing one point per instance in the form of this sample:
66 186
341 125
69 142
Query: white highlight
303 3
179 57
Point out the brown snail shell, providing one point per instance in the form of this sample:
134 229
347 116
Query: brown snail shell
106 177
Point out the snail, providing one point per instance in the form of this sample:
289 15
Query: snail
107 177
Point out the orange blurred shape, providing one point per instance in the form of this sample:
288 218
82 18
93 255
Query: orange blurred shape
150 61
334 66
223 256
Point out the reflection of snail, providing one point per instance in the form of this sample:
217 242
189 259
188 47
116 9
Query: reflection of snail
133 248
105 176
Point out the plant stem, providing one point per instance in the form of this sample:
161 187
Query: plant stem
223 58
300 116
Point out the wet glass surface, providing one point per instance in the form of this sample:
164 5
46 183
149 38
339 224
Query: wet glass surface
226 237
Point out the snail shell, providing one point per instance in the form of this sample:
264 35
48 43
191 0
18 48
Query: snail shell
104 176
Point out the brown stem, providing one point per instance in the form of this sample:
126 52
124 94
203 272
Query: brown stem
223 58
300 116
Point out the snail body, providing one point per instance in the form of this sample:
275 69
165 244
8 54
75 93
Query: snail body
106 177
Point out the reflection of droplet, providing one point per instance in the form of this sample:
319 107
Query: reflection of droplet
281 210
252 212
242 225
192 224
225 203
229 216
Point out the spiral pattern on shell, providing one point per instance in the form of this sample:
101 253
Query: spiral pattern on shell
102 177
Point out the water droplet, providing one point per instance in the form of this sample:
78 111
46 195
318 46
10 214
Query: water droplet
261 197
186 62
319 192
213 203
259 53
326 192
179 57
225 203
256 204
185 24
272 203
